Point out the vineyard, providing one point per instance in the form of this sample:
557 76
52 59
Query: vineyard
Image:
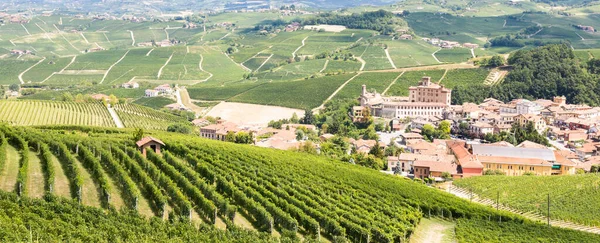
211 181
31 113
572 197
142 117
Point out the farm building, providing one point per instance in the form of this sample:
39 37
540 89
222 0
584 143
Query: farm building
151 93
130 85
149 142
405 37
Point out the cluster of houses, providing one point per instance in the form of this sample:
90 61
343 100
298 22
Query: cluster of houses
292 27
459 159
449 44
14 18
20 52
163 89
586 28
163 43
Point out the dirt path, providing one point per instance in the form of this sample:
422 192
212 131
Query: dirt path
8 177
35 177
83 36
61 182
111 66
163 66
434 231
89 191
265 62
325 65
387 53
132 38
115 117
61 71
473 53
443 76
32 66
67 40
434 57
26 30
335 92
363 63
392 83
150 51
210 75
300 47
184 98
116 199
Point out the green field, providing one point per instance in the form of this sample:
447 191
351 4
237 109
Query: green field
43 70
142 117
412 78
466 77
456 55
376 58
154 102
297 94
11 68
374 81
211 92
572 198
409 53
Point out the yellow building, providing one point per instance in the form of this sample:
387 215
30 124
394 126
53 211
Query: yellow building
515 161
538 122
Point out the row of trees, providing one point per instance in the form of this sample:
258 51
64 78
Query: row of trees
383 21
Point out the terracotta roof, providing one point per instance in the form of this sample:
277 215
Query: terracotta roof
437 166
422 145
503 143
146 140
560 159
411 135
529 144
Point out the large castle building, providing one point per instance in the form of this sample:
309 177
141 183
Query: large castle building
425 100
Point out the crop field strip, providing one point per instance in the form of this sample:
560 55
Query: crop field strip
30 112
376 81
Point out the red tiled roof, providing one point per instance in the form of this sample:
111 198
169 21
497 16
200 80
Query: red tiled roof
437 166
146 140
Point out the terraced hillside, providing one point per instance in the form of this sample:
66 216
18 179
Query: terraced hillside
212 182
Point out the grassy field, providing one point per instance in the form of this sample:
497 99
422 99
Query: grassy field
35 176
297 94
8 175
456 55
376 58
154 102
458 77
212 92
374 81
412 78
408 53
11 68
43 70
572 197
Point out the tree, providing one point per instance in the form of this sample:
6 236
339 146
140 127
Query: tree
299 135
66 96
446 175
112 100
14 87
138 134
376 151
294 118
308 117
496 61
230 137
180 128
244 138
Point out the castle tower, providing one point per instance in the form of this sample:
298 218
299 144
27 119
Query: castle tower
364 90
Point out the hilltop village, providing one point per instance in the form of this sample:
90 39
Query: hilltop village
488 138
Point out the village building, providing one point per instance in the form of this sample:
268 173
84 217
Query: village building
130 85
519 160
164 89
219 130
100 97
425 100
586 28
470 45
151 93
436 169
405 37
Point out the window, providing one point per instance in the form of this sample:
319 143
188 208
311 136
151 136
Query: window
531 168
510 167
521 167
499 167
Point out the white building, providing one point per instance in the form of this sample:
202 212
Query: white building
151 93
